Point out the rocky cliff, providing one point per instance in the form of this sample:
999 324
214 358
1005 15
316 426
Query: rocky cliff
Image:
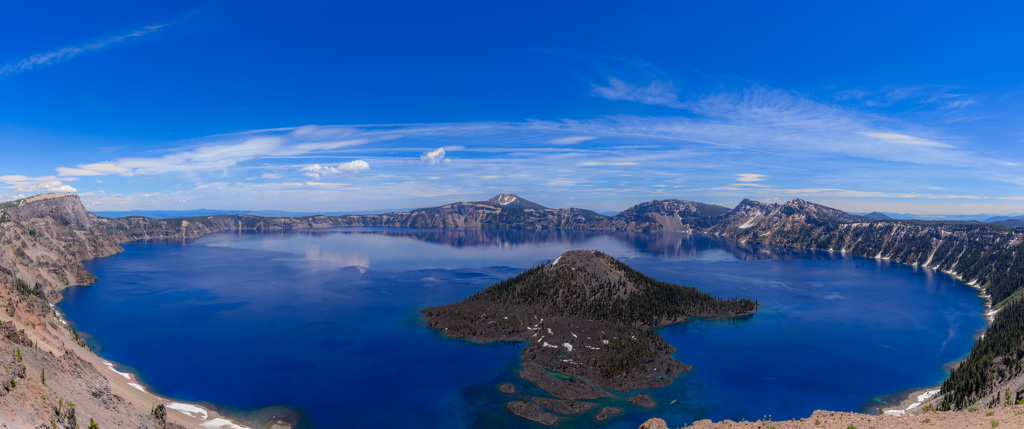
65 209
51 379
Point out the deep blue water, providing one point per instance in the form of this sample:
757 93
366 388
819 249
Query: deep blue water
328 322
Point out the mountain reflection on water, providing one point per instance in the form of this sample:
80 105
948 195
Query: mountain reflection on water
327 321
659 244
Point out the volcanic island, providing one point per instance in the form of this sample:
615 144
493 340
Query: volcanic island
588 321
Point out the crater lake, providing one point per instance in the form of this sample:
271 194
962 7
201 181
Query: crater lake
327 323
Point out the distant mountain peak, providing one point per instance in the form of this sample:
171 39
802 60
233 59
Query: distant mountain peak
504 199
514 201
877 216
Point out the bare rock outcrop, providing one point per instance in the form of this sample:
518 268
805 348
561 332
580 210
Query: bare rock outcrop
65 209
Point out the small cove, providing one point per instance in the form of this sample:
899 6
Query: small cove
327 322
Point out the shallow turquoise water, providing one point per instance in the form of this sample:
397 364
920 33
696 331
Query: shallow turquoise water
328 322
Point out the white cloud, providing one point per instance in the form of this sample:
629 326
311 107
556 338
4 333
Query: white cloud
433 157
750 177
64 54
36 184
656 93
317 170
571 140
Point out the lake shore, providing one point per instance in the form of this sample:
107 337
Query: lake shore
128 386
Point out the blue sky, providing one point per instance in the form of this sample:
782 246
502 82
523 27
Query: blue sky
333 106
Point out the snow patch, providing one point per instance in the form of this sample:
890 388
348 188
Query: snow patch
505 199
992 315
927 395
220 423
556 260
123 374
189 409
137 386
549 345
749 223
567 346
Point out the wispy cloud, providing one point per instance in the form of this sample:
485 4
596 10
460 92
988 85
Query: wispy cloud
572 140
67 53
317 170
606 163
942 96
806 148
211 157
656 93
908 140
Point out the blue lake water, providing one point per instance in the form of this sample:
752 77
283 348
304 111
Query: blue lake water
327 322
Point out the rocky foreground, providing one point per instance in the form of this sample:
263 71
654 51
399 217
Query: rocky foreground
1008 417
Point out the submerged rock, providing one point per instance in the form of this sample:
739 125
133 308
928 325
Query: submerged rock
532 412
564 406
607 412
642 400
560 387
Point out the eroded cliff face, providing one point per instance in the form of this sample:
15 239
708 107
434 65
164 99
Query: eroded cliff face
65 209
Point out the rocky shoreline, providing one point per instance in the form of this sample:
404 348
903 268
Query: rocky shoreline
53 380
